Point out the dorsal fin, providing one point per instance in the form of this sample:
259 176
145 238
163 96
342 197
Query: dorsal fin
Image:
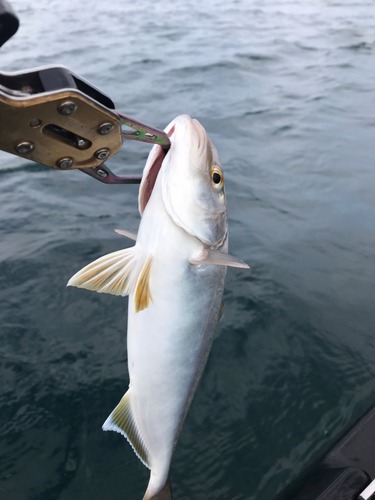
122 420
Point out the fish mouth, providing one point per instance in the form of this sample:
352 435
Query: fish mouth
198 138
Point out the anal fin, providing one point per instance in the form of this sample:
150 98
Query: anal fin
122 420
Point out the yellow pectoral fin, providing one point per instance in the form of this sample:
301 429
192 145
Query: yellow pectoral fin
143 295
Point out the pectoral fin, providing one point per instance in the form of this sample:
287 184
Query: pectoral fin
109 274
128 234
122 420
219 259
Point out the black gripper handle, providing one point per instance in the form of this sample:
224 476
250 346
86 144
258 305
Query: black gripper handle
8 22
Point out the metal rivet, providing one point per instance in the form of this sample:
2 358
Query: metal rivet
24 147
101 173
105 128
82 143
67 108
65 163
35 123
102 154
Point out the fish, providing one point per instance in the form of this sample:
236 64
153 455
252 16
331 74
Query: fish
174 277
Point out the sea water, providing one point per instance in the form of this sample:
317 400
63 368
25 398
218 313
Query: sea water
286 91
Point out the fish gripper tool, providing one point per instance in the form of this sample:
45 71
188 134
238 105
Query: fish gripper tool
52 116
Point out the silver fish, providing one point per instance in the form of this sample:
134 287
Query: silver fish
174 276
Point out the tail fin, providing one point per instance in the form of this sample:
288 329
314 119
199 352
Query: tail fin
164 494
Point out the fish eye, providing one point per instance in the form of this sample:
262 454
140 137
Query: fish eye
217 177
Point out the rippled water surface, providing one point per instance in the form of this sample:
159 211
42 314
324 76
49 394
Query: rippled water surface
286 91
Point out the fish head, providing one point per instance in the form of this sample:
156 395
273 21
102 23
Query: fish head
192 182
